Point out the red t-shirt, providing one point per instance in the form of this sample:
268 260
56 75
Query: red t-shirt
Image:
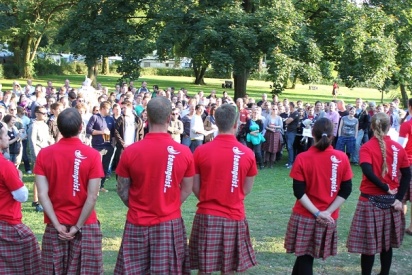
406 132
243 115
68 166
396 158
223 165
9 182
156 166
323 172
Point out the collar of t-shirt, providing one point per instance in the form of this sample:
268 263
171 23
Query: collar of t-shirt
71 140
225 137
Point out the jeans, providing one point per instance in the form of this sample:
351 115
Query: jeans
257 149
106 154
186 141
360 139
290 139
195 143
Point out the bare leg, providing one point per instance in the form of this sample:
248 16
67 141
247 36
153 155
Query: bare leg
35 196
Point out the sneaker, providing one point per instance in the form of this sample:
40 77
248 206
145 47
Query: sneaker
104 190
34 204
289 166
39 208
29 172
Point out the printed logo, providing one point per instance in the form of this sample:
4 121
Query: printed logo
237 151
78 157
235 169
395 162
172 150
169 168
333 179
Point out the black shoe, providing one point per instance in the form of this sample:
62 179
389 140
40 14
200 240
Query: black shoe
39 208
34 204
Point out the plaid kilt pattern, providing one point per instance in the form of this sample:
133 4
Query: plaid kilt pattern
19 250
220 244
374 230
82 255
305 236
159 249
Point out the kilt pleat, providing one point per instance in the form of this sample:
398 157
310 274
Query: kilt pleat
220 244
374 230
157 249
19 250
305 236
82 255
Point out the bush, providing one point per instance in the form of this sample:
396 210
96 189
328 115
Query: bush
10 70
113 67
47 67
167 72
1 71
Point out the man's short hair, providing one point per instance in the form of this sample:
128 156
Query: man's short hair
69 122
56 105
72 95
105 104
226 116
159 110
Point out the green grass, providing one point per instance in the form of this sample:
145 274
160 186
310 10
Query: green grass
254 88
268 206
268 209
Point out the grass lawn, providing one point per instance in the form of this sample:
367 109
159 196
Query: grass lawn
268 206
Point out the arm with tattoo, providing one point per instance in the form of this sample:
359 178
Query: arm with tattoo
123 186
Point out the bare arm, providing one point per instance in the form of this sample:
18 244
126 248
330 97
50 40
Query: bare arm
196 185
43 191
247 186
123 187
186 188
340 128
89 204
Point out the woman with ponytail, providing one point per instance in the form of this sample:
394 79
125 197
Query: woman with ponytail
378 224
320 188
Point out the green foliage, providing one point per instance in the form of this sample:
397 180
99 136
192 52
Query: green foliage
1 71
10 70
47 66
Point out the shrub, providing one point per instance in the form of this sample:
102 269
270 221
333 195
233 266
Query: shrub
10 70
47 67
1 71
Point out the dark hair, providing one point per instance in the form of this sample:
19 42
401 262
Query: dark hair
322 132
7 118
159 110
72 95
226 116
56 105
69 122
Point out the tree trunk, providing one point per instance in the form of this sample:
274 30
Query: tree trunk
404 96
199 74
105 66
260 68
92 71
240 81
295 79
26 71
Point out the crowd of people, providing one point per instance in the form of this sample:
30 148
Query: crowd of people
210 145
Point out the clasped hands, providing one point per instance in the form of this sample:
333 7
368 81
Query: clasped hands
325 218
66 233
397 205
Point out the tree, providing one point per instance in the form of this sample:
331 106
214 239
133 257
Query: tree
24 23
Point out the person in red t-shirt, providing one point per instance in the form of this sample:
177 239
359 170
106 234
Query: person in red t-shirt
405 139
154 239
220 219
320 187
19 250
68 176
378 223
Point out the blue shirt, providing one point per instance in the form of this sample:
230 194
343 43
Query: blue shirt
99 123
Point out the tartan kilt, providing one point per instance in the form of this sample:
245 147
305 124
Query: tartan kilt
220 244
158 249
82 255
272 143
375 230
19 250
306 236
